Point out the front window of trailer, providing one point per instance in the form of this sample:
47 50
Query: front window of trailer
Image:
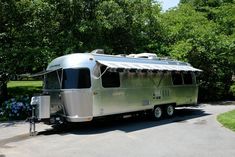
52 80
76 78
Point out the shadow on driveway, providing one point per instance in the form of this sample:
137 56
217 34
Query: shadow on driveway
125 125
110 124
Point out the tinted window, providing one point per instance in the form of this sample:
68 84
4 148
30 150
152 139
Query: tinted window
110 79
188 79
76 78
52 80
177 79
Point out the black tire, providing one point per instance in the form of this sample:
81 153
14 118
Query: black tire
157 113
170 110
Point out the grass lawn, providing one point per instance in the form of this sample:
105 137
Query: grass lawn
227 119
19 88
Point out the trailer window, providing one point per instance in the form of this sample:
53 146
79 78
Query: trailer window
188 78
76 78
51 81
110 79
177 79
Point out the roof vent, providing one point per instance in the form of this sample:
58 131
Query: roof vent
144 55
98 51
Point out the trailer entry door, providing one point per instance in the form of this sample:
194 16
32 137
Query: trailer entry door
77 95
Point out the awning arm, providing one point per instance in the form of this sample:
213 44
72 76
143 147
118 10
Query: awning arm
44 72
160 79
98 77
60 77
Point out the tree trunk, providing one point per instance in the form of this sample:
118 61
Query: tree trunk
3 93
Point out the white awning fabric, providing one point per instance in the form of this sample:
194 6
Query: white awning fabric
147 66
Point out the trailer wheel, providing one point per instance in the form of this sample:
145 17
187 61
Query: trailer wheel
170 110
157 112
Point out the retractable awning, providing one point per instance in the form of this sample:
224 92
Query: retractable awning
148 66
44 72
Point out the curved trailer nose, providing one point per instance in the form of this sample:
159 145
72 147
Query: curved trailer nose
77 104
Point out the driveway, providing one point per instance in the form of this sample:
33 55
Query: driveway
192 132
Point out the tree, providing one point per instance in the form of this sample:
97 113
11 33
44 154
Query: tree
32 33
25 29
129 26
201 32
203 42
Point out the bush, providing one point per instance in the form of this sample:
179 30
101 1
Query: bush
16 108
232 89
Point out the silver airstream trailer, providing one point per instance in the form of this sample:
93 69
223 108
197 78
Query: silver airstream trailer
82 86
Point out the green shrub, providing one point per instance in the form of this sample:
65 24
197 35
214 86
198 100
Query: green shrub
232 89
16 108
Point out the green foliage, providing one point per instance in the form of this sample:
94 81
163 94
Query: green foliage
206 44
206 3
16 108
201 32
17 88
232 89
26 25
227 119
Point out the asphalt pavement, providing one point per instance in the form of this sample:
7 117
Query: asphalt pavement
192 132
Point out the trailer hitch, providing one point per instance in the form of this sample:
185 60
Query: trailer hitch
32 121
40 111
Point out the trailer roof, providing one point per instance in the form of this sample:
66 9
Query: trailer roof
116 62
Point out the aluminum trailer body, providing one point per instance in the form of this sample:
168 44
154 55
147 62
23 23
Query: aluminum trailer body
83 86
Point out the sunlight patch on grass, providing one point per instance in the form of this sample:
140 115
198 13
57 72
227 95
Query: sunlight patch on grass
19 88
227 119
13 84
